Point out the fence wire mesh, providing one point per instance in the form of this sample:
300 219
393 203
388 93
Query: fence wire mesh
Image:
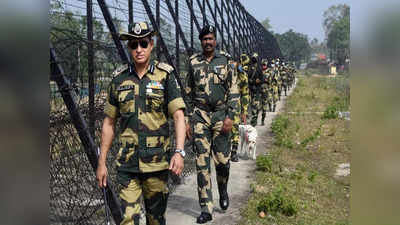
74 195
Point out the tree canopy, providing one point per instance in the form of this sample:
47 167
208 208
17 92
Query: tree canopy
266 24
294 46
337 27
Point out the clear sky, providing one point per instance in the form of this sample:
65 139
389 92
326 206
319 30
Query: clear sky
303 16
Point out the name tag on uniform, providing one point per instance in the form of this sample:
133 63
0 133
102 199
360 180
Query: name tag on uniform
217 69
125 87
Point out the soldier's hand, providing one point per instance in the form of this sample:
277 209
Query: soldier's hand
258 81
101 175
177 163
188 131
244 119
227 126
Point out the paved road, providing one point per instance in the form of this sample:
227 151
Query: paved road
183 207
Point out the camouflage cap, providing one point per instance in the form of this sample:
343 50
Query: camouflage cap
208 29
244 59
264 61
136 31
254 57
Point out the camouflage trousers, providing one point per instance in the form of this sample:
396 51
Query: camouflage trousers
154 189
266 101
210 142
235 132
279 90
275 94
255 107
285 86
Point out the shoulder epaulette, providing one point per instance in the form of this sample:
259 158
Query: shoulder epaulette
225 54
166 67
120 70
194 56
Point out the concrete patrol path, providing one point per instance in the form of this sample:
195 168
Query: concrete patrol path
183 207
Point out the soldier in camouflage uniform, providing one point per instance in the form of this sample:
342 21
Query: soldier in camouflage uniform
255 78
278 67
143 95
274 82
212 99
292 69
243 102
265 89
284 76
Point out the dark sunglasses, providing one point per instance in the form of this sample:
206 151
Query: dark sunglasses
134 44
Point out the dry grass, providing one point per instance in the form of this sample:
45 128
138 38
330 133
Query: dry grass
306 170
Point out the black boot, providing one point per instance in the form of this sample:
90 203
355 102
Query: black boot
273 109
262 119
270 107
234 156
223 196
204 218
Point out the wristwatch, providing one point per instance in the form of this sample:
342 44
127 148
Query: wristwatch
181 151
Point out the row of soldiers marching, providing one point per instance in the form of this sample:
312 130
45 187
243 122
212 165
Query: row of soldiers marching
261 87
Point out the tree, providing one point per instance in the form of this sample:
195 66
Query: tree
294 46
266 24
333 14
337 27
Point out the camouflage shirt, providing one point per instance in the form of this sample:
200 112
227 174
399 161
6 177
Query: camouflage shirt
275 78
212 83
254 73
267 79
142 106
243 90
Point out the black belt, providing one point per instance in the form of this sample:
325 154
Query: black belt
210 108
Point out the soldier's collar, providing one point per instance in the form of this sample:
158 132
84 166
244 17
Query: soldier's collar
216 55
151 68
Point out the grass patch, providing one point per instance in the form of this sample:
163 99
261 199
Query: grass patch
277 201
295 182
280 128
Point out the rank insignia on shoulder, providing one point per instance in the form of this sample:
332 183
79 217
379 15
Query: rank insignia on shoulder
120 70
166 67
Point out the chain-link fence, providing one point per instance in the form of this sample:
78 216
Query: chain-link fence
83 36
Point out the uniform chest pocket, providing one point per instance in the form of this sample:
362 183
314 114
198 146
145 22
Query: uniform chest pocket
220 74
154 100
126 99
200 79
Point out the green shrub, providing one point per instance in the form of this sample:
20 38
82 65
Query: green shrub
312 175
280 124
311 138
331 112
278 202
264 163
279 127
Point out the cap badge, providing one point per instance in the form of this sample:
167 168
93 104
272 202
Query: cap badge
137 29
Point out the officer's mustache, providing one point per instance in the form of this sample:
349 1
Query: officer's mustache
208 45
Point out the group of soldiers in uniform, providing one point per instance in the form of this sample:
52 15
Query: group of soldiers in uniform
265 85
207 109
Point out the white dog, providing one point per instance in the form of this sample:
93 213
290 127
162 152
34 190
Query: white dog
247 140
